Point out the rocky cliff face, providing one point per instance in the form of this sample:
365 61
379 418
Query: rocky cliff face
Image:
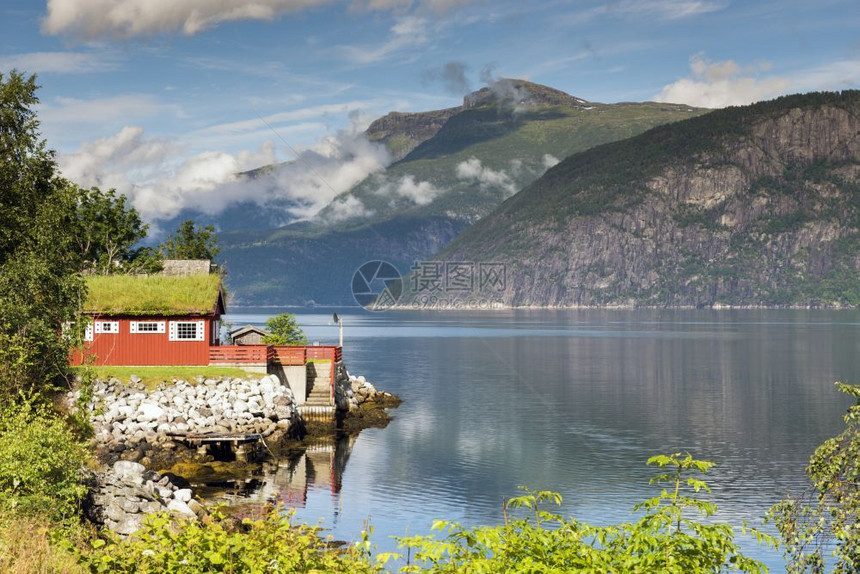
748 206
403 132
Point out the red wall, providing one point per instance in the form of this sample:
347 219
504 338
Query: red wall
127 348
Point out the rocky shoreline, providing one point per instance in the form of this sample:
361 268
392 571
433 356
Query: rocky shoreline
122 496
141 435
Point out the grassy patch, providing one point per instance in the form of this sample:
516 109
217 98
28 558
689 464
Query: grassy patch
26 546
153 294
153 376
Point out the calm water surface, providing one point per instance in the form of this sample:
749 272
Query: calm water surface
576 402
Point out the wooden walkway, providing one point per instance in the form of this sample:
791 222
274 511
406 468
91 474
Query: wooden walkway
197 439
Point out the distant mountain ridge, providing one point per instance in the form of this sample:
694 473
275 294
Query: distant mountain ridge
454 166
755 205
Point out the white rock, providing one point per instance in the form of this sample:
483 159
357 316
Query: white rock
147 412
183 494
127 470
240 407
180 508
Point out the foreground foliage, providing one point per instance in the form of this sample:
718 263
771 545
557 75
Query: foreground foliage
666 539
218 544
824 524
41 461
39 282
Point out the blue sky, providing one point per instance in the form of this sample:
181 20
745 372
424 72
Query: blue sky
166 99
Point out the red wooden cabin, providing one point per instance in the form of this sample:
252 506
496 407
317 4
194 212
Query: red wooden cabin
154 320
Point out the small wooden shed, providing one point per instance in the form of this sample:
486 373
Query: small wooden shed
248 335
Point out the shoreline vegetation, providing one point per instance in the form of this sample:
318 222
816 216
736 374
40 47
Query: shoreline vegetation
672 532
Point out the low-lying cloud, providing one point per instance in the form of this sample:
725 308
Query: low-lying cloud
548 160
347 207
407 187
160 186
472 170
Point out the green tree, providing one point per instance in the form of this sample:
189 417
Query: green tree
826 520
191 242
107 229
284 329
40 287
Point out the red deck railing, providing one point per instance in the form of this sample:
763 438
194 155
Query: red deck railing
244 354
275 354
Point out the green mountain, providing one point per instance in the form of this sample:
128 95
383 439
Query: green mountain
755 205
452 168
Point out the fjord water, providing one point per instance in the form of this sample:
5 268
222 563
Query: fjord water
576 402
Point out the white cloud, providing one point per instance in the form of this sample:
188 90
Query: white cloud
302 114
473 170
407 32
658 9
418 192
161 183
839 75
727 83
59 62
549 160
129 18
438 6
349 207
123 19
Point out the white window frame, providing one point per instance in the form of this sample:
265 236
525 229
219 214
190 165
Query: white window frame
88 332
160 328
199 334
107 328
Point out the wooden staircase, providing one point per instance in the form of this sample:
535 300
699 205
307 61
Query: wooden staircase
318 403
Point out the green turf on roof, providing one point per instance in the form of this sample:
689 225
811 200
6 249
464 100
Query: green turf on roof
154 294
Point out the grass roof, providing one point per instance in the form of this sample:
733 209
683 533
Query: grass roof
152 294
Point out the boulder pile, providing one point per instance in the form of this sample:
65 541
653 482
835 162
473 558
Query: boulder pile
126 415
351 392
123 495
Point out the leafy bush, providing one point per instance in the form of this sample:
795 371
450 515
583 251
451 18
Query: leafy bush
665 539
217 544
284 329
40 460
826 520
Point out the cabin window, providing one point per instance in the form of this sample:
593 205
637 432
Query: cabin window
147 327
107 327
187 330
69 330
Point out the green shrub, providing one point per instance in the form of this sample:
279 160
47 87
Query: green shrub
218 544
665 539
825 521
40 461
